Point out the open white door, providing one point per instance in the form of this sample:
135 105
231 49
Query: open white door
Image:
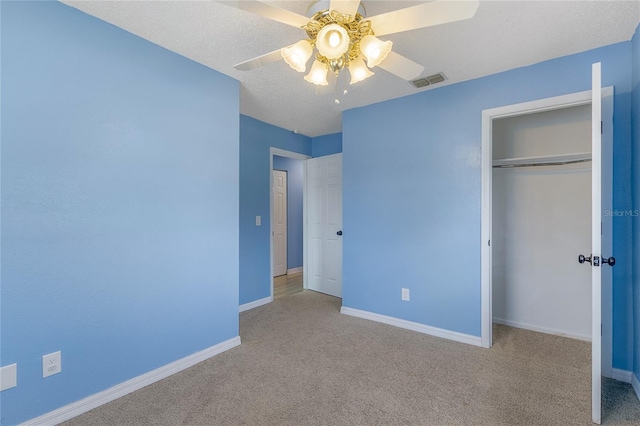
606 242
596 241
324 224
601 199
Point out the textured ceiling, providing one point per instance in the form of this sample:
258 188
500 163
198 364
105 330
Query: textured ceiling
503 35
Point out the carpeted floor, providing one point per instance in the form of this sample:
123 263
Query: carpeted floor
301 362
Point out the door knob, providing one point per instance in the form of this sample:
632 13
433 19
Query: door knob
582 259
596 260
611 261
340 233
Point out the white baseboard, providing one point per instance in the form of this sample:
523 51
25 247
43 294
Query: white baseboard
294 270
256 303
545 330
621 375
636 385
89 403
627 377
414 326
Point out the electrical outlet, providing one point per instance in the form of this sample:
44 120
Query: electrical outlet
51 364
405 294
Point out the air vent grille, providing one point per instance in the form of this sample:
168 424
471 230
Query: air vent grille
426 81
436 78
421 82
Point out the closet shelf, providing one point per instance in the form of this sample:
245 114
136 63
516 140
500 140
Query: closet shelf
545 160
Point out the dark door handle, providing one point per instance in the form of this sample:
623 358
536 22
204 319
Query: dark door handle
340 233
596 260
611 261
582 259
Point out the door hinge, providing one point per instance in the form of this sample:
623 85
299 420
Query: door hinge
601 128
601 329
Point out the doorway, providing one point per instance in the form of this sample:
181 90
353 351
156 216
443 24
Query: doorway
601 229
287 212
488 118
321 247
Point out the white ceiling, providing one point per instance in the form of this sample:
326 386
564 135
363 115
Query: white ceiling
502 35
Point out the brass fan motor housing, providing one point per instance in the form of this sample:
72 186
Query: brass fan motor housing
356 26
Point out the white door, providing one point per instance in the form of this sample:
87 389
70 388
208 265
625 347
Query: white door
279 223
324 224
600 260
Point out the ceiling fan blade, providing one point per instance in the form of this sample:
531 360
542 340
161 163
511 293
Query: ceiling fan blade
269 11
254 63
404 68
346 7
423 15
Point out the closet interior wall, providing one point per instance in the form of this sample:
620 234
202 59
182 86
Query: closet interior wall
541 221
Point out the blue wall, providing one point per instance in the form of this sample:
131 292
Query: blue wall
256 137
326 145
295 182
119 205
412 173
635 123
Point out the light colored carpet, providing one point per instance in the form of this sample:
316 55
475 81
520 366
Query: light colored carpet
301 362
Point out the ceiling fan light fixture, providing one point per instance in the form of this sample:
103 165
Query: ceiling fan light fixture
318 74
339 35
297 55
374 49
332 41
359 70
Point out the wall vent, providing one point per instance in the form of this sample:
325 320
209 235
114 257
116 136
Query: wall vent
426 81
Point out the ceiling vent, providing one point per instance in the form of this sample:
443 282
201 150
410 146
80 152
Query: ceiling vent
421 82
426 81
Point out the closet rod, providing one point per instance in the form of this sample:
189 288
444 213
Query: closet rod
554 163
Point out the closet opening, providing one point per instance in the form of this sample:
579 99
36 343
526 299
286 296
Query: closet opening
541 199
537 170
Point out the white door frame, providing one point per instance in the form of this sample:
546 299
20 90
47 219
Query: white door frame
548 104
289 154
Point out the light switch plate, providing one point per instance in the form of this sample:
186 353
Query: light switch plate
258 220
8 377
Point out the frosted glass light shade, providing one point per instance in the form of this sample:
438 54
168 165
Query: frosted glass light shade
332 41
317 74
359 70
374 49
297 55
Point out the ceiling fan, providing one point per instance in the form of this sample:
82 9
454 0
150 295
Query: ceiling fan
343 37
